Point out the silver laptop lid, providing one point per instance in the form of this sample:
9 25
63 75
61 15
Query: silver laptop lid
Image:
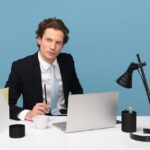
92 111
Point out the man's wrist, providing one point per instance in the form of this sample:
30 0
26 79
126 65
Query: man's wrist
22 114
29 116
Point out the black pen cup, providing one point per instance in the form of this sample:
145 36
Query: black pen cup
17 131
128 121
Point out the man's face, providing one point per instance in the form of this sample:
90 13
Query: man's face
51 44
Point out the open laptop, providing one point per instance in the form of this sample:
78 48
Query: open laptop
90 111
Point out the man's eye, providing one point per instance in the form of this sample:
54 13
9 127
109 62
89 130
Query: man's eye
59 43
49 40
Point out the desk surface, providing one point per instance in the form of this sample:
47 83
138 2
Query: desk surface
53 138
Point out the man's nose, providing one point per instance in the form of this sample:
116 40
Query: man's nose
53 45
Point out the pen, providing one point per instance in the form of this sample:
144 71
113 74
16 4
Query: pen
45 93
130 110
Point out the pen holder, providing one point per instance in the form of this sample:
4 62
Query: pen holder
17 131
128 121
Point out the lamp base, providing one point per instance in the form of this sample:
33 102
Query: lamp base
140 137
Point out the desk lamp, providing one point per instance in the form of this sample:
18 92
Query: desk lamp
125 80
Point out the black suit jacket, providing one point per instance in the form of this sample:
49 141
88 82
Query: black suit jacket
25 80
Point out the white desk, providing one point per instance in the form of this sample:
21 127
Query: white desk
55 139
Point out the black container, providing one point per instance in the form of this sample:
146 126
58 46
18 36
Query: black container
128 121
17 131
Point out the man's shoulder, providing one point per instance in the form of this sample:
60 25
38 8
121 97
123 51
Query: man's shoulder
26 59
65 59
64 56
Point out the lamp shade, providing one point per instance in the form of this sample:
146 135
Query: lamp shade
125 79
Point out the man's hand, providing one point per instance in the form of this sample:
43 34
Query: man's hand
38 109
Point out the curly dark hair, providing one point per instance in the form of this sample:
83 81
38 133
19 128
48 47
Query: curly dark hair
55 24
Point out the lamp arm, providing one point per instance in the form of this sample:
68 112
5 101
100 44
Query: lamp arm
145 85
142 74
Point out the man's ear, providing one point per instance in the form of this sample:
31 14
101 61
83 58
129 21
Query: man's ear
39 41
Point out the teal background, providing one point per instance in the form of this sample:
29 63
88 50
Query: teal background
105 36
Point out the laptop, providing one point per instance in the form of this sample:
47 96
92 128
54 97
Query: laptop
4 109
90 111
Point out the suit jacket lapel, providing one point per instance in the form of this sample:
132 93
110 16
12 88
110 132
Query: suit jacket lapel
37 75
63 72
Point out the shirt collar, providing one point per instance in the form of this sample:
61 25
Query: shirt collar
44 64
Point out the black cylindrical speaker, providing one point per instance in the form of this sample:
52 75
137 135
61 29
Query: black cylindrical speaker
128 121
17 131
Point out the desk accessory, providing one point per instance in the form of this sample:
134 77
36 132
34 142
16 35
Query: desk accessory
17 131
45 99
103 114
128 120
45 94
41 121
125 80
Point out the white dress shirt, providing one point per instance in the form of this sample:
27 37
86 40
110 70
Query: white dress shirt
46 77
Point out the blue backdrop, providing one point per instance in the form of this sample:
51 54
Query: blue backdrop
105 36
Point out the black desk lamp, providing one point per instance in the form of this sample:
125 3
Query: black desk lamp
125 80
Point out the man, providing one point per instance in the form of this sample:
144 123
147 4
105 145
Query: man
29 75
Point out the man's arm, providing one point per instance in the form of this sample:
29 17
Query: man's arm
76 87
15 88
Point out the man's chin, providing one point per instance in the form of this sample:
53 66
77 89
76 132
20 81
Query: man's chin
51 58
